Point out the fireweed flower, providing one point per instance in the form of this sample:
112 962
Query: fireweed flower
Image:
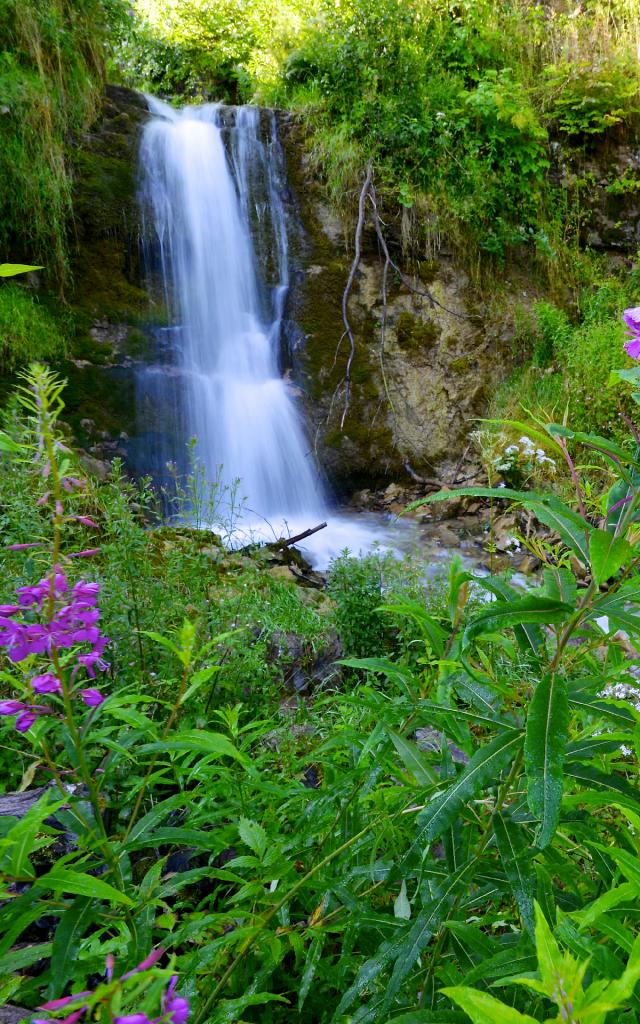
631 318
175 1008
92 697
47 683
52 616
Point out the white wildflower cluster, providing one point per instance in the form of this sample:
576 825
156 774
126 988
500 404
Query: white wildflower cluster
523 456
629 693
624 691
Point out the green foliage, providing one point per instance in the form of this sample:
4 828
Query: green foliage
568 363
51 68
451 835
452 101
27 330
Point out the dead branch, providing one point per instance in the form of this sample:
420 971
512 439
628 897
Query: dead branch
352 274
403 277
289 541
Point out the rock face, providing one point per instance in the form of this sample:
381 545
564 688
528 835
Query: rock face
606 177
421 369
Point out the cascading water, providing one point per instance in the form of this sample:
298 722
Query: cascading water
204 201
212 189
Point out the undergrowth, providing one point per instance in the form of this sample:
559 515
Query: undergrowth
51 76
446 805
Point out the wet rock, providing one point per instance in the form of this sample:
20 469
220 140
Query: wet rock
10 1014
99 468
431 739
278 738
503 529
303 668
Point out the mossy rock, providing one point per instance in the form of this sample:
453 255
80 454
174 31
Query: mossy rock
461 365
415 334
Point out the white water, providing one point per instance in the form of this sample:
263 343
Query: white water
219 221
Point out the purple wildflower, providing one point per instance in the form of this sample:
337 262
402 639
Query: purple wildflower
57 1004
70 1019
132 1018
631 318
70 483
26 714
23 547
47 683
12 707
175 1007
25 720
89 553
92 697
148 961
86 592
85 521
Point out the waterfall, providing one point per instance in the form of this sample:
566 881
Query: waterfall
212 191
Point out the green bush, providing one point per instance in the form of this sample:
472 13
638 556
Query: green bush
28 331
51 74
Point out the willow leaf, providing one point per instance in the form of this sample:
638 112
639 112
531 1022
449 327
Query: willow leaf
485 1009
544 751
483 769
66 942
413 760
502 614
513 848
608 554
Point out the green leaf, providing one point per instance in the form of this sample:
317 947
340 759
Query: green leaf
560 585
228 1011
81 884
314 957
596 441
484 1008
386 667
615 711
571 527
254 836
66 942
627 892
148 823
23 836
404 950
426 924
7 445
501 615
608 554
620 991
18 959
505 493
548 951
199 741
544 751
401 905
593 778
11 269
514 850
628 864
413 760
483 769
